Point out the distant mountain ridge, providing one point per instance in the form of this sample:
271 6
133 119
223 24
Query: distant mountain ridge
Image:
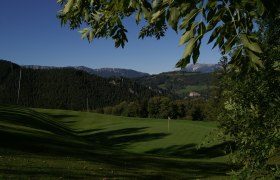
202 68
113 72
40 67
102 72
129 73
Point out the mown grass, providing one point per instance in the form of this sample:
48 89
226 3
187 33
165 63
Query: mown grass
51 144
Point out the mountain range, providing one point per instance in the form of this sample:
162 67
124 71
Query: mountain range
102 72
113 72
202 68
129 73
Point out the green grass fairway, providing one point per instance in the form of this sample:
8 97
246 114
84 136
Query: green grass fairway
51 144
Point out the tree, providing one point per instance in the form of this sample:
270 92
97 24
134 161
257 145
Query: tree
143 108
154 107
165 108
120 109
133 109
251 114
230 22
197 114
180 109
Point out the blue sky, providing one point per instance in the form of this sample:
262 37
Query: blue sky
30 33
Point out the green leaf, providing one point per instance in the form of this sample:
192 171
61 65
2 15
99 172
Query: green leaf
202 28
189 18
154 3
90 36
188 34
183 62
216 18
214 34
146 13
276 66
229 44
210 15
211 3
133 4
113 31
84 32
173 18
86 15
260 7
253 14
236 55
219 41
196 53
68 6
156 16
184 8
249 44
255 59
138 16
189 47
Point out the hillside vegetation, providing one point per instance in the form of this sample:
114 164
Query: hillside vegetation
181 83
65 88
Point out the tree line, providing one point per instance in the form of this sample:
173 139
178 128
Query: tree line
197 109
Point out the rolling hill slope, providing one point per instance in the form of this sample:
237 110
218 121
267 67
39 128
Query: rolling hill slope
70 144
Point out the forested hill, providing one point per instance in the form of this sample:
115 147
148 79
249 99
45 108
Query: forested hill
181 83
66 88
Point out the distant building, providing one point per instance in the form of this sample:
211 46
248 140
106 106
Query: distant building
194 94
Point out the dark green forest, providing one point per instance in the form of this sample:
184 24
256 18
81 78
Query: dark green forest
160 107
65 88
181 83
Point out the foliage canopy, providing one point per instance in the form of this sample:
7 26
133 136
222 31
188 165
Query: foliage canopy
251 114
230 22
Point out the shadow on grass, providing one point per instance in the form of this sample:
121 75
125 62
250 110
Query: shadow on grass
191 151
24 117
119 139
61 116
106 147
88 131
39 142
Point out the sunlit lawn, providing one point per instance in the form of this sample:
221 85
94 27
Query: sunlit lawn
69 144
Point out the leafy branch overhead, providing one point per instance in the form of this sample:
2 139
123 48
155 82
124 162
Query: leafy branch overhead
231 23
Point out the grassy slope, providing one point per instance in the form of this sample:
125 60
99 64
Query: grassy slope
138 135
69 144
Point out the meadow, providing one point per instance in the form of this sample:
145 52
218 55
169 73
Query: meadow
51 144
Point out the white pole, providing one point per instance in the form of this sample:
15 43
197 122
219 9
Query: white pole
19 86
168 123
87 105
